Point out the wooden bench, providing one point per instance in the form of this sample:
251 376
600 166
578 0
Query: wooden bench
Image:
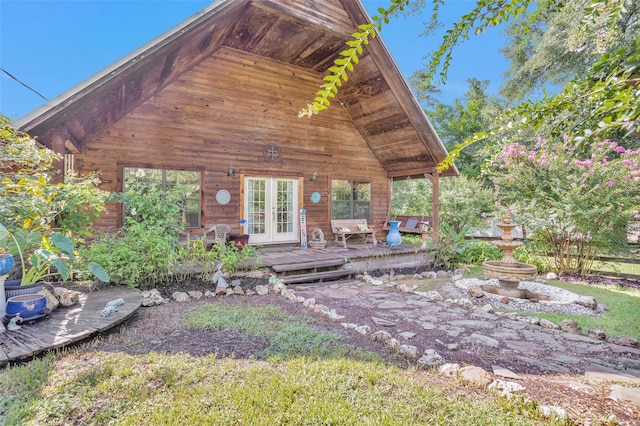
344 229
411 224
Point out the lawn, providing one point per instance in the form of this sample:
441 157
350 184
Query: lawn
98 388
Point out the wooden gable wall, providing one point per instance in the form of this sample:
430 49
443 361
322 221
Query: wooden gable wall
223 112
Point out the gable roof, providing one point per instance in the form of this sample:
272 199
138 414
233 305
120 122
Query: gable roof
297 33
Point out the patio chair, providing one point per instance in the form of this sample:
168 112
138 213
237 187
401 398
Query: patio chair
217 234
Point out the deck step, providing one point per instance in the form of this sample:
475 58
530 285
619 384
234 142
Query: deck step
317 276
288 267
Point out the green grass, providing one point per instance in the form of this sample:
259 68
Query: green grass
96 388
288 335
620 320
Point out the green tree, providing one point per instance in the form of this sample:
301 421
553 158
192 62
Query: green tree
558 47
576 202
455 123
41 219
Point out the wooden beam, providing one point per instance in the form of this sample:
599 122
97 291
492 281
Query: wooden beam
411 173
434 178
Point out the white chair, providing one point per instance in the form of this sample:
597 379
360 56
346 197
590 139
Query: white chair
217 234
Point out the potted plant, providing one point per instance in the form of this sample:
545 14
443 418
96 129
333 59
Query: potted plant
7 262
53 257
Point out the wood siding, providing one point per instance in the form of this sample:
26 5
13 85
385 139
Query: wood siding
224 112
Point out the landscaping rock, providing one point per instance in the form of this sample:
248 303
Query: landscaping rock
180 296
545 323
409 351
476 375
587 301
238 291
551 411
434 295
507 389
262 290
450 369
625 393
442 274
475 291
570 326
195 294
363 329
66 297
152 298
52 301
407 335
431 358
597 334
383 322
381 336
487 308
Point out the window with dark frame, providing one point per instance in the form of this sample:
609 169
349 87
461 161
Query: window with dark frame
185 183
350 199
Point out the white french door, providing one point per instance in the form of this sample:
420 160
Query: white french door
271 210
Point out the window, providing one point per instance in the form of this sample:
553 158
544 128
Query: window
350 200
185 184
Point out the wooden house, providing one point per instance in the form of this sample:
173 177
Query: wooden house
213 104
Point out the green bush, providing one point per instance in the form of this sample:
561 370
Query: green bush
145 251
532 253
476 252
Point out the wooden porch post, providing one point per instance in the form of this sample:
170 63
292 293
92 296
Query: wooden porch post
434 178
57 146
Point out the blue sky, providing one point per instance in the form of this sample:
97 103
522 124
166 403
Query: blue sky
53 45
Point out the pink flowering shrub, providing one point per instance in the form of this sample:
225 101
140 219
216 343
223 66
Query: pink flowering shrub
577 203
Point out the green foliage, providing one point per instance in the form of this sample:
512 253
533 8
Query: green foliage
575 203
463 201
32 201
449 251
233 256
598 103
530 253
145 251
288 336
560 47
476 252
454 123
41 221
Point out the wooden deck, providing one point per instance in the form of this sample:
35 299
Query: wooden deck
354 253
68 325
